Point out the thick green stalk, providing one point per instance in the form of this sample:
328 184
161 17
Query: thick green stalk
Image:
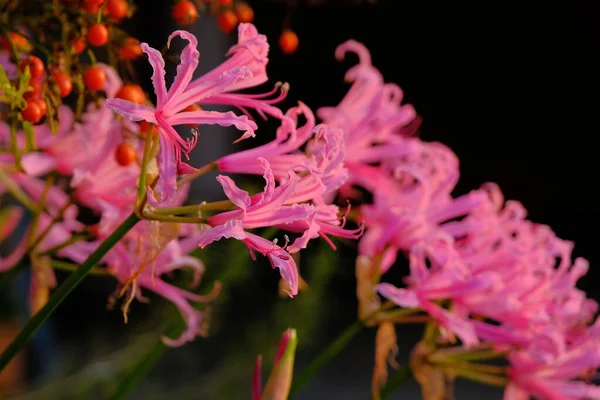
326 356
64 289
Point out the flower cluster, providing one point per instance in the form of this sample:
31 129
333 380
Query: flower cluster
481 271
107 179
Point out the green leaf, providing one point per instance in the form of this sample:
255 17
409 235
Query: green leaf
61 293
29 136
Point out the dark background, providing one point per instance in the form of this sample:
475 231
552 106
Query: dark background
511 88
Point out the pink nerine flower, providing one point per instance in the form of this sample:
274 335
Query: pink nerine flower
268 209
554 369
171 103
371 114
283 153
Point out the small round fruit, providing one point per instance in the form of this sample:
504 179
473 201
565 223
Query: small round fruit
117 8
77 45
41 103
227 21
19 41
36 92
193 107
288 41
97 35
64 83
131 49
125 154
32 112
91 8
244 13
225 2
185 12
94 78
132 93
36 66
146 127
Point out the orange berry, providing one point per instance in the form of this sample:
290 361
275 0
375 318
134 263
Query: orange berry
185 12
193 107
64 83
97 35
227 21
77 45
41 103
32 112
125 154
36 92
244 13
90 7
94 78
288 41
19 41
146 127
130 50
36 66
117 8
132 93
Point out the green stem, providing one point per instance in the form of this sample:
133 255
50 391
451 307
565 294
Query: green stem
67 266
325 357
199 172
64 289
145 161
396 380
223 205
18 193
482 377
170 218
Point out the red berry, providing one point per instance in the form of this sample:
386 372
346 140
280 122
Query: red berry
41 103
36 92
125 154
36 66
97 35
94 78
146 127
77 45
193 107
64 83
91 6
32 112
19 41
227 21
288 41
244 13
185 12
117 8
131 49
132 93
225 2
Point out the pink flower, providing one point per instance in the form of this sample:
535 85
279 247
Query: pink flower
552 369
446 279
413 198
371 114
267 209
183 93
283 153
